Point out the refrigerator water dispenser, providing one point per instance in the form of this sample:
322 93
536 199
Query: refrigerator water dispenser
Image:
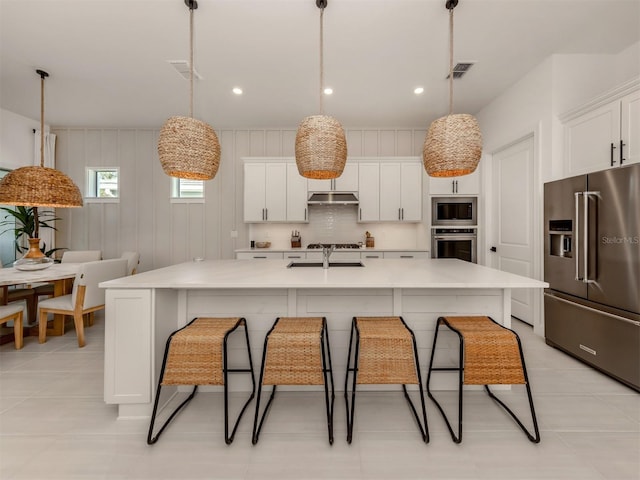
560 238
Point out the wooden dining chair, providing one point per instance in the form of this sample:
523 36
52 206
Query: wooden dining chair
13 312
81 256
86 297
133 259
69 256
15 293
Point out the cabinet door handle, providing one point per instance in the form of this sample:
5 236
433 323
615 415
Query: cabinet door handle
406 256
613 147
399 214
456 186
255 256
453 186
359 214
402 210
266 214
305 214
622 159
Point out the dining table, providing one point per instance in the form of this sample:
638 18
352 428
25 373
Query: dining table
60 274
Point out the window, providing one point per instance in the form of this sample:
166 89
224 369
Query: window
183 188
102 183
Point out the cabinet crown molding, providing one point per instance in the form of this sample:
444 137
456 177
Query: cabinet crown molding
349 159
609 96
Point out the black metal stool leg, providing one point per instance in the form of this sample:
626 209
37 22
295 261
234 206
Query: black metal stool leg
151 439
326 358
229 438
423 426
459 369
258 421
354 369
535 437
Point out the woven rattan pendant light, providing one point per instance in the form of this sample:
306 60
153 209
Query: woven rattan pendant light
321 146
39 186
453 144
189 148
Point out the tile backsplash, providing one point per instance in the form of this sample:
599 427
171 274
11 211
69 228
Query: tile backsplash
339 224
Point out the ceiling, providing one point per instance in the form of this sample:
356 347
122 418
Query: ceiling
107 59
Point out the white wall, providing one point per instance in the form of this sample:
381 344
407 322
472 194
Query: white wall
17 150
16 140
145 220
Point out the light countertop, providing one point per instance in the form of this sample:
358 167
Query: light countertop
319 250
377 273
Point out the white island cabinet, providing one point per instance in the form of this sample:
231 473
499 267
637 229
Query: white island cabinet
143 309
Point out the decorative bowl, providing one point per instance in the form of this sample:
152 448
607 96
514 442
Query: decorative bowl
263 244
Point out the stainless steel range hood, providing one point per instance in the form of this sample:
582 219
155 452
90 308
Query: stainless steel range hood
333 198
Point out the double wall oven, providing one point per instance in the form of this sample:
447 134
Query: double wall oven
454 230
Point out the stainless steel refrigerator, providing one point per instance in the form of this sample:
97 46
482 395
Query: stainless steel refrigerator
592 264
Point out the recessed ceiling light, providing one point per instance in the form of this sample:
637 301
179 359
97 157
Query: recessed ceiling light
418 90
328 91
237 90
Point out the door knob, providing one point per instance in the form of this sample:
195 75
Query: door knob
493 249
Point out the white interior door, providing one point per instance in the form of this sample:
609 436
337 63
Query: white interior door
514 217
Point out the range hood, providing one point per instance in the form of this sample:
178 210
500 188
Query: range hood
333 198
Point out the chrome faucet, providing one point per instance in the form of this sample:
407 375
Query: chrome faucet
326 253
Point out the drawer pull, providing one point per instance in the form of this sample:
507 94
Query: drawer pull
588 350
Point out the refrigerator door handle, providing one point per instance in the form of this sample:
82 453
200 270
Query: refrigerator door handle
600 312
577 234
585 253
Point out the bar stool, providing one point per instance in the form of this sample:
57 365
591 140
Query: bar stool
385 353
296 352
196 355
490 354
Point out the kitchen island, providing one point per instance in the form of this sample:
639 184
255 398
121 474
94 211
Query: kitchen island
143 309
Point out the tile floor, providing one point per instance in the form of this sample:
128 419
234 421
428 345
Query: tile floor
55 425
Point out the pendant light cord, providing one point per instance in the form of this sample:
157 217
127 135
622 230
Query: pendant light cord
321 61
191 62
42 120
451 60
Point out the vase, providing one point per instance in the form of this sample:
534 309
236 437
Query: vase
34 259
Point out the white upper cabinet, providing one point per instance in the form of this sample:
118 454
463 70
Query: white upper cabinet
630 127
604 137
265 192
296 195
347 182
369 192
464 185
401 191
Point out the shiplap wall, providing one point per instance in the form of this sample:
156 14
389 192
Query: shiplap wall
165 232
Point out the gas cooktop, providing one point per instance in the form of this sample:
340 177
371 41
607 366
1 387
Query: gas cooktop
336 245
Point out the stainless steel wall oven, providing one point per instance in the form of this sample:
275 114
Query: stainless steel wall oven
454 243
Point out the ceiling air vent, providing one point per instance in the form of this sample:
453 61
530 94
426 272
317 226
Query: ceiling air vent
182 67
459 69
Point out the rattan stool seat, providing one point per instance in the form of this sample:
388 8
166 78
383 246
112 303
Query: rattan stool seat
490 354
294 355
384 352
296 352
196 355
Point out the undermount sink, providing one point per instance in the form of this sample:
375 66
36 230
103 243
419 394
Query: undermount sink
331 264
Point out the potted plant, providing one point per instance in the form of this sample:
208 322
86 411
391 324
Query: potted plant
25 222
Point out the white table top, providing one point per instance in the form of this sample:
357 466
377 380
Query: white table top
270 274
57 271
